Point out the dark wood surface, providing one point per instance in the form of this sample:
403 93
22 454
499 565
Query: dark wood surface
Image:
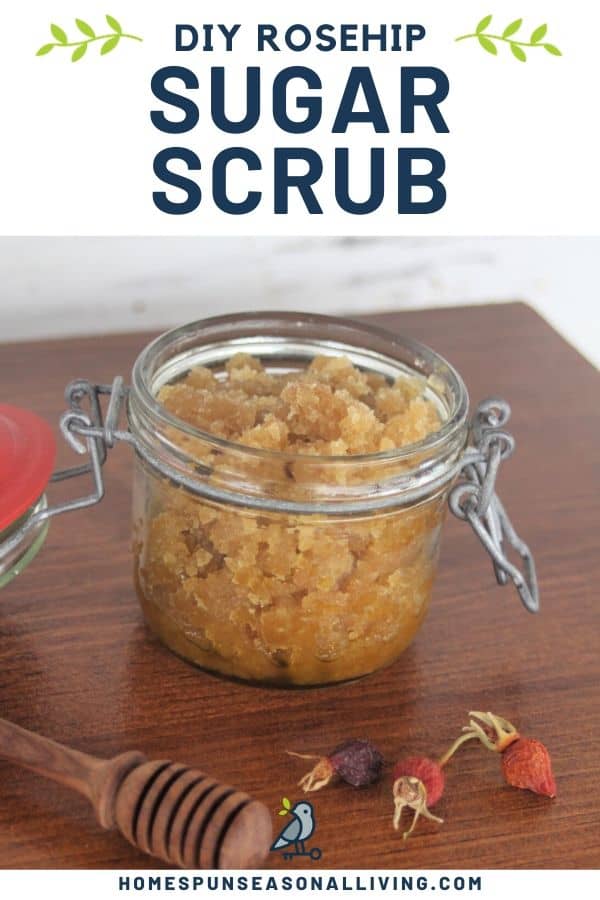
78 665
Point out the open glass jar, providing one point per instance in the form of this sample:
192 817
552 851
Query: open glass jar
288 568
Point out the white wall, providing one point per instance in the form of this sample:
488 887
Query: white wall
62 286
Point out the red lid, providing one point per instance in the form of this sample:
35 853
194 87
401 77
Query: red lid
27 451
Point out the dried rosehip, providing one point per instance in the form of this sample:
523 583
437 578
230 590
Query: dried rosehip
526 764
356 762
418 784
427 771
525 761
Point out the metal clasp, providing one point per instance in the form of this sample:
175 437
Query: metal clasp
87 431
474 499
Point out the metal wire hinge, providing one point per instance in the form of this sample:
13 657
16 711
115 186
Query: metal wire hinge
87 431
474 500
90 431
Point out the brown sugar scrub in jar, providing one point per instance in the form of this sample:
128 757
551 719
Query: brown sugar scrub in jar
314 457
292 474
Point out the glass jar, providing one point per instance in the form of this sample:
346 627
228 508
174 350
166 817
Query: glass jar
287 568
26 549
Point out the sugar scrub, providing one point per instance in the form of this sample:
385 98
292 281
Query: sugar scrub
278 597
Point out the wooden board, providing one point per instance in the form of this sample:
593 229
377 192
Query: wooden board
77 663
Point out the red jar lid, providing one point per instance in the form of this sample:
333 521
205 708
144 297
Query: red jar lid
27 453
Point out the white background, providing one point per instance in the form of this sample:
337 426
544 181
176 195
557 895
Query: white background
78 144
496 885
56 286
77 150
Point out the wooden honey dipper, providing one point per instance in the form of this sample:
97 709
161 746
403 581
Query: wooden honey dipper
166 809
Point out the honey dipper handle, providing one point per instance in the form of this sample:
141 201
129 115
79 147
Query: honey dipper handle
97 779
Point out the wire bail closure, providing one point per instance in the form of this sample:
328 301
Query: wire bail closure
89 433
472 499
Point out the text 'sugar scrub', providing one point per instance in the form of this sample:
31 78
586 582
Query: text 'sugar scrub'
194 99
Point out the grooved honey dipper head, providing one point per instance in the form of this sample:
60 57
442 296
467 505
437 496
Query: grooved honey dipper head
190 820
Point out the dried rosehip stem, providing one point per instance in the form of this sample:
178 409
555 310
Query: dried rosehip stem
418 784
319 775
500 732
411 792
494 732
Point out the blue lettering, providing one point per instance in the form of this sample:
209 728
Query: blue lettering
217 101
407 179
284 181
191 189
180 31
311 104
220 197
409 100
161 92
342 179
360 77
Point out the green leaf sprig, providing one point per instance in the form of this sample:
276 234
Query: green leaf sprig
487 40
285 807
110 40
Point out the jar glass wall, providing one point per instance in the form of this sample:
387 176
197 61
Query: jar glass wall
13 563
287 568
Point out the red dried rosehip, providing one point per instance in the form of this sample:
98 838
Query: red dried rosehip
525 761
418 784
356 762
526 764
427 771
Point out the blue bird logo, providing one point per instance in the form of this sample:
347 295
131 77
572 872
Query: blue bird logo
298 831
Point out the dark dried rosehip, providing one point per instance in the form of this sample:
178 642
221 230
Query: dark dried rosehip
356 762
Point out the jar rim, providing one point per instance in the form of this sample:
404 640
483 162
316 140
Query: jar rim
452 425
